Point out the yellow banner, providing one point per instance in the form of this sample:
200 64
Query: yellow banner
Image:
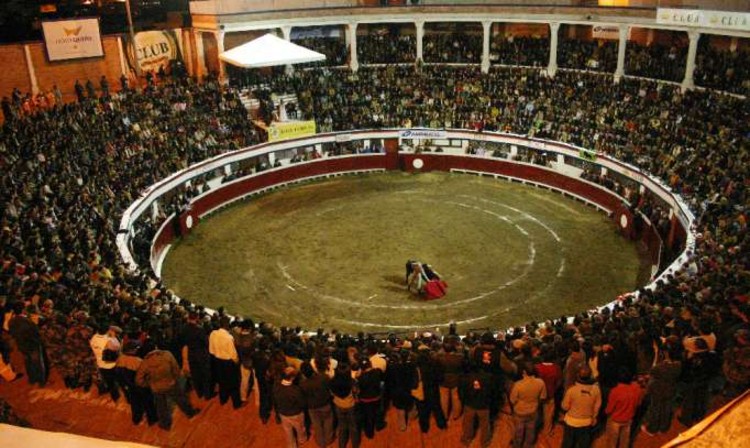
290 129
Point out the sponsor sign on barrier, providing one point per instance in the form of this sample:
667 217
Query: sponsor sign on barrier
290 129
704 18
72 39
422 133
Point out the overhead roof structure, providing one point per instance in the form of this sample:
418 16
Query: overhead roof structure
268 51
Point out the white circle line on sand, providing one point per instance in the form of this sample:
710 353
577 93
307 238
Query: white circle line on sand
526 215
408 327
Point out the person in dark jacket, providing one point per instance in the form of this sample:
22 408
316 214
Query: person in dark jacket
140 398
428 375
195 338
477 392
342 389
29 343
318 400
700 366
399 378
289 401
369 396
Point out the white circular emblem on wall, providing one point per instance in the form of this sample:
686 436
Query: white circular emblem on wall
417 163
189 222
624 221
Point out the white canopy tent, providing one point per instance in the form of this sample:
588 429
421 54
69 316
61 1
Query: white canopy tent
267 51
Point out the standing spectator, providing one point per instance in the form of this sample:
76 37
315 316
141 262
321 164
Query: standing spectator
318 400
29 343
195 340
104 84
525 398
80 365
700 366
222 348
342 389
581 404
123 83
622 404
78 87
452 364
428 376
370 396
551 373
141 399
90 90
477 393
398 381
106 348
58 95
160 373
289 401
661 390
245 341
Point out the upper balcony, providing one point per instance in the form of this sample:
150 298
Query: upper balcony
263 7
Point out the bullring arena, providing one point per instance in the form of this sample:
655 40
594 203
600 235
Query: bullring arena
233 218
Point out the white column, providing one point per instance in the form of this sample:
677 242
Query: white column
420 37
200 57
487 27
694 36
30 69
220 49
286 31
353 63
621 48
123 61
554 27
187 53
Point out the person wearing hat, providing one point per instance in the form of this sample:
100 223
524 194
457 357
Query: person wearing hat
289 402
700 366
581 404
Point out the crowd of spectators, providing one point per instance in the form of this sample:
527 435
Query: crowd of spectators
722 69
387 49
520 51
656 61
335 49
70 170
452 48
593 55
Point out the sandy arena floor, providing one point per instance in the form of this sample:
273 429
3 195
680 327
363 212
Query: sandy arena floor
331 254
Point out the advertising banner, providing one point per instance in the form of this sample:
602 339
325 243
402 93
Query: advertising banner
704 18
286 130
155 49
608 32
72 39
431 134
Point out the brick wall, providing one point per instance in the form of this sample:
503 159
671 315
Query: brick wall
14 73
65 73
62 73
